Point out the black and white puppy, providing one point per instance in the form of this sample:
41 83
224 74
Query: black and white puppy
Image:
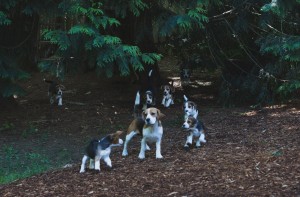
195 129
189 108
168 98
100 149
55 92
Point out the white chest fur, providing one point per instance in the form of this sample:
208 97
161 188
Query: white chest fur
152 134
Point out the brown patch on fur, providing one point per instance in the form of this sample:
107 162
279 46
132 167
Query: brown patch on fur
116 136
136 125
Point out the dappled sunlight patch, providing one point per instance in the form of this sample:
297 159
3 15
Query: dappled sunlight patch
294 111
276 106
250 113
276 114
203 83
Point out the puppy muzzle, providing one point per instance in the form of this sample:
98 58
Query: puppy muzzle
185 126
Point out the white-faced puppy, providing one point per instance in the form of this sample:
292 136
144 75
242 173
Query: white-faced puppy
148 101
55 92
195 129
152 131
100 149
168 91
189 108
150 128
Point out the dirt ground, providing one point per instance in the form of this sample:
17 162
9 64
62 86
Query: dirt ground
248 152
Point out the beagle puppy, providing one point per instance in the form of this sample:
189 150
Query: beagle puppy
100 149
55 92
189 108
148 99
195 129
168 91
150 127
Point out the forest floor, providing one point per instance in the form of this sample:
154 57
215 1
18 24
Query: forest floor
248 152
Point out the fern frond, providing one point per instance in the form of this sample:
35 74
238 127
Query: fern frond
58 37
3 19
82 29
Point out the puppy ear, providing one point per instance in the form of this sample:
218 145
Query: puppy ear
115 137
159 114
118 133
144 114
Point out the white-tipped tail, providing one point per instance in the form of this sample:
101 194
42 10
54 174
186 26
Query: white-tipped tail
185 98
137 98
150 73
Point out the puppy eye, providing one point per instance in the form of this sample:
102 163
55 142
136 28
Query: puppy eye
152 113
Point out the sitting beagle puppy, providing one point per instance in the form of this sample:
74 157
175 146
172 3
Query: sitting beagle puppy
100 149
55 92
195 129
168 91
150 127
148 99
189 108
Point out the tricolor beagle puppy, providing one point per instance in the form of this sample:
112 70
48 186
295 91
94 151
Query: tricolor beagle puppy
148 99
189 108
100 149
195 129
150 127
168 91
55 92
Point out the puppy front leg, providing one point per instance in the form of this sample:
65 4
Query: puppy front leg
163 101
107 161
189 140
82 168
97 163
143 149
168 103
158 150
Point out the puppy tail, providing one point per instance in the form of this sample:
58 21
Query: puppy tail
150 73
137 98
185 98
136 104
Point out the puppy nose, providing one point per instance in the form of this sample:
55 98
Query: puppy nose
182 126
186 110
148 119
148 102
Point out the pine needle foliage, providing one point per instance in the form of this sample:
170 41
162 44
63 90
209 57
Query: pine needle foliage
89 32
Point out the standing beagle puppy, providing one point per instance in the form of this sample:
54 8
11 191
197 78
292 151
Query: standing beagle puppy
100 149
195 129
150 127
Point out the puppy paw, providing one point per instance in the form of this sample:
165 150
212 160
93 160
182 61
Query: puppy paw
97 169
81 171
159 157
124 154
141 156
